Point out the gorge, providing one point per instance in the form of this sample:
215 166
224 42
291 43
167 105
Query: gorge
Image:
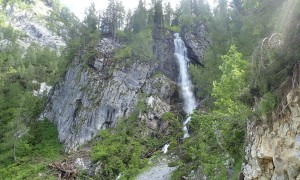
192 92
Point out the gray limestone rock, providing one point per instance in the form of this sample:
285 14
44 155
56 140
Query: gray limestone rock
91 99
32 22
273 149
163 49
196 42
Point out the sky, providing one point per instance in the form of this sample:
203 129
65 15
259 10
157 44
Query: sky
78 7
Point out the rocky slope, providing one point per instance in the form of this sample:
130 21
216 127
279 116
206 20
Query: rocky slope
31 19
273 142
94 97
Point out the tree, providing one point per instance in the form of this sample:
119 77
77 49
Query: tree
201 11
168 14
232 83
186 18
13 119
177 14
158 14
139 18
113 18
128 21
91 19
90 30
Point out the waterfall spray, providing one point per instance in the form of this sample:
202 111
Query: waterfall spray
189 101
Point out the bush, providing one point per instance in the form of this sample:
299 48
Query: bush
174 28
44 140
44 148
124 149
142 46
123 53
268 103
119 152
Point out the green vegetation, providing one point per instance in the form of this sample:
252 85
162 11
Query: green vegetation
140 48
264 74
26 145
125 149
230 83
123 53
38 148
217 137
268 103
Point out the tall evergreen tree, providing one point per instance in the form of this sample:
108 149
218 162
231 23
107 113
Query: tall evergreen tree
158 14
139 18
186 18
113 18
168 13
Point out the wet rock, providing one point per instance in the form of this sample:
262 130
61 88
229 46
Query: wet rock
164 51
196 42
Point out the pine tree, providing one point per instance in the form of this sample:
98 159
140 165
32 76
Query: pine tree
168 14
158 14
186 18
113 18
139 18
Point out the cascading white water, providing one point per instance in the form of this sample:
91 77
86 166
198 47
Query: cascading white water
189 101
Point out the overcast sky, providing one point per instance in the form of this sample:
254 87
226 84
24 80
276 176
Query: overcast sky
78 7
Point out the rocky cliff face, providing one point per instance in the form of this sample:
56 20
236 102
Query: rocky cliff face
94 97
196 42
164 50
273 143
31 19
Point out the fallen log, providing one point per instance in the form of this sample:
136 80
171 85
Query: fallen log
64 170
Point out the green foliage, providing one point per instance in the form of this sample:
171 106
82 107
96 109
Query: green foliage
174 28
44 147
44 140
123 53
139 18
20 72
24 171
142 46
233 81
208 147
215 138
123 148
268 103
112 18
218 135
118 153
168 116
186 18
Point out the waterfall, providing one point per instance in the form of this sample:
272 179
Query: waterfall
189 101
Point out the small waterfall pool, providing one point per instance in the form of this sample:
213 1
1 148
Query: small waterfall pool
186 86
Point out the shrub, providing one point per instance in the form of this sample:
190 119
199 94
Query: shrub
268 103
142 46
123 53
